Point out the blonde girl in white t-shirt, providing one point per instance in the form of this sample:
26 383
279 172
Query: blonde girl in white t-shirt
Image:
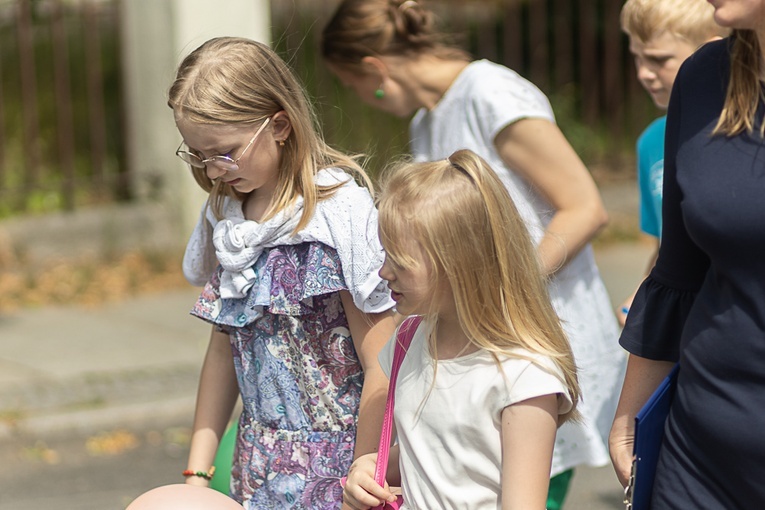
392 54
489 375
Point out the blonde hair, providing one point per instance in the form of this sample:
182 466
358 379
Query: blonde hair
689 20
464 221
361 28
744 86
230 80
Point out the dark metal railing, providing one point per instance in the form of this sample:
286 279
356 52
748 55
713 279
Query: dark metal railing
58 148
61 122
573 50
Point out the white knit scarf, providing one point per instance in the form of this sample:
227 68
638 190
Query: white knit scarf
239 243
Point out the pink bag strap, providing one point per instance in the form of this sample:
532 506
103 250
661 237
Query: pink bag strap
403 339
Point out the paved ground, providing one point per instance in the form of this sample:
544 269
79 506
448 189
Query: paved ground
95 404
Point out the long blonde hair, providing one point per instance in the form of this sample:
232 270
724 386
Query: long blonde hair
464 220
230 80
744 87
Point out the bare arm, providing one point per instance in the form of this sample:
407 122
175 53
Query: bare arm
528 437
216 396
641 380
369 333
537 150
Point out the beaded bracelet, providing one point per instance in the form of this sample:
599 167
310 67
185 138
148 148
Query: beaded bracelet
207 475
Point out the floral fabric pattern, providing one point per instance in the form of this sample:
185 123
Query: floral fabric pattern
299 377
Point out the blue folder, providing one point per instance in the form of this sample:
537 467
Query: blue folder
649 433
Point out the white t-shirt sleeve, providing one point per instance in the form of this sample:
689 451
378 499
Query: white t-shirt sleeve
504 98
533 381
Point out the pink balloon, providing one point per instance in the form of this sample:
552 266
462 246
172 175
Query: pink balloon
183 497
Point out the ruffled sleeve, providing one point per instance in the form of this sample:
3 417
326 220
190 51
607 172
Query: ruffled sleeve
345 224
287 280
656 321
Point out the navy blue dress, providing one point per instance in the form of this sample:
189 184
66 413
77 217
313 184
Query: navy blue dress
704 302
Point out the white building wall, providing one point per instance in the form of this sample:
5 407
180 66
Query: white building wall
157 34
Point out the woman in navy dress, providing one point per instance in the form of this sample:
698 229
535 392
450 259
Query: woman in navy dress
704 303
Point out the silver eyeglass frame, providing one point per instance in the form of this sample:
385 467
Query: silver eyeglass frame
222 162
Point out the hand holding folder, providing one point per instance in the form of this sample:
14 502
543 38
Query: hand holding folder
649 433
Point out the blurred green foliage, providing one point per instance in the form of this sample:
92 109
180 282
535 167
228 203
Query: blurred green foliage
296 26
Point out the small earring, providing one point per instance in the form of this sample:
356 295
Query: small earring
379 93
281 143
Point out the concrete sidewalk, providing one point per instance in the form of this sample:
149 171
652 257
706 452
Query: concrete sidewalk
77 368
74 368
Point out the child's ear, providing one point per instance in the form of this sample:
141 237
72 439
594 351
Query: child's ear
281 126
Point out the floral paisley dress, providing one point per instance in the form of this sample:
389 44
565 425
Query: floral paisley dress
298 372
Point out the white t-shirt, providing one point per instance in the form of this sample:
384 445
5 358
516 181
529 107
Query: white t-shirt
450 445
483 100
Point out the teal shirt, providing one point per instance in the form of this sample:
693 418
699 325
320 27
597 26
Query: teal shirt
650 162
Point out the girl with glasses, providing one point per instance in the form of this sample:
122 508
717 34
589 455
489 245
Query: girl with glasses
286 248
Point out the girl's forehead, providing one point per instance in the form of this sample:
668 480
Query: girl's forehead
208 136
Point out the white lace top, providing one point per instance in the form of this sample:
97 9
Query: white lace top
347 222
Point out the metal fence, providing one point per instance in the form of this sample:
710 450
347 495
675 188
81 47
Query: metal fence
61 124
573 50
60 118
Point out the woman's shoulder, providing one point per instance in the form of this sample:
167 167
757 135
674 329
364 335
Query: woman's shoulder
709 61
494 88
713 51
702 82
484 67
487 75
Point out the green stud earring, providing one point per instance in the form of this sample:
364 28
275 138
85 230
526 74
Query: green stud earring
379 93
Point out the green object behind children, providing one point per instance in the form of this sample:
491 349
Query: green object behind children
223 460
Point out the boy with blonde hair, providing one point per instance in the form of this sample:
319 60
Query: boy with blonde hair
662 34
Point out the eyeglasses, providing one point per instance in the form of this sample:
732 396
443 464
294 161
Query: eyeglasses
225 163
